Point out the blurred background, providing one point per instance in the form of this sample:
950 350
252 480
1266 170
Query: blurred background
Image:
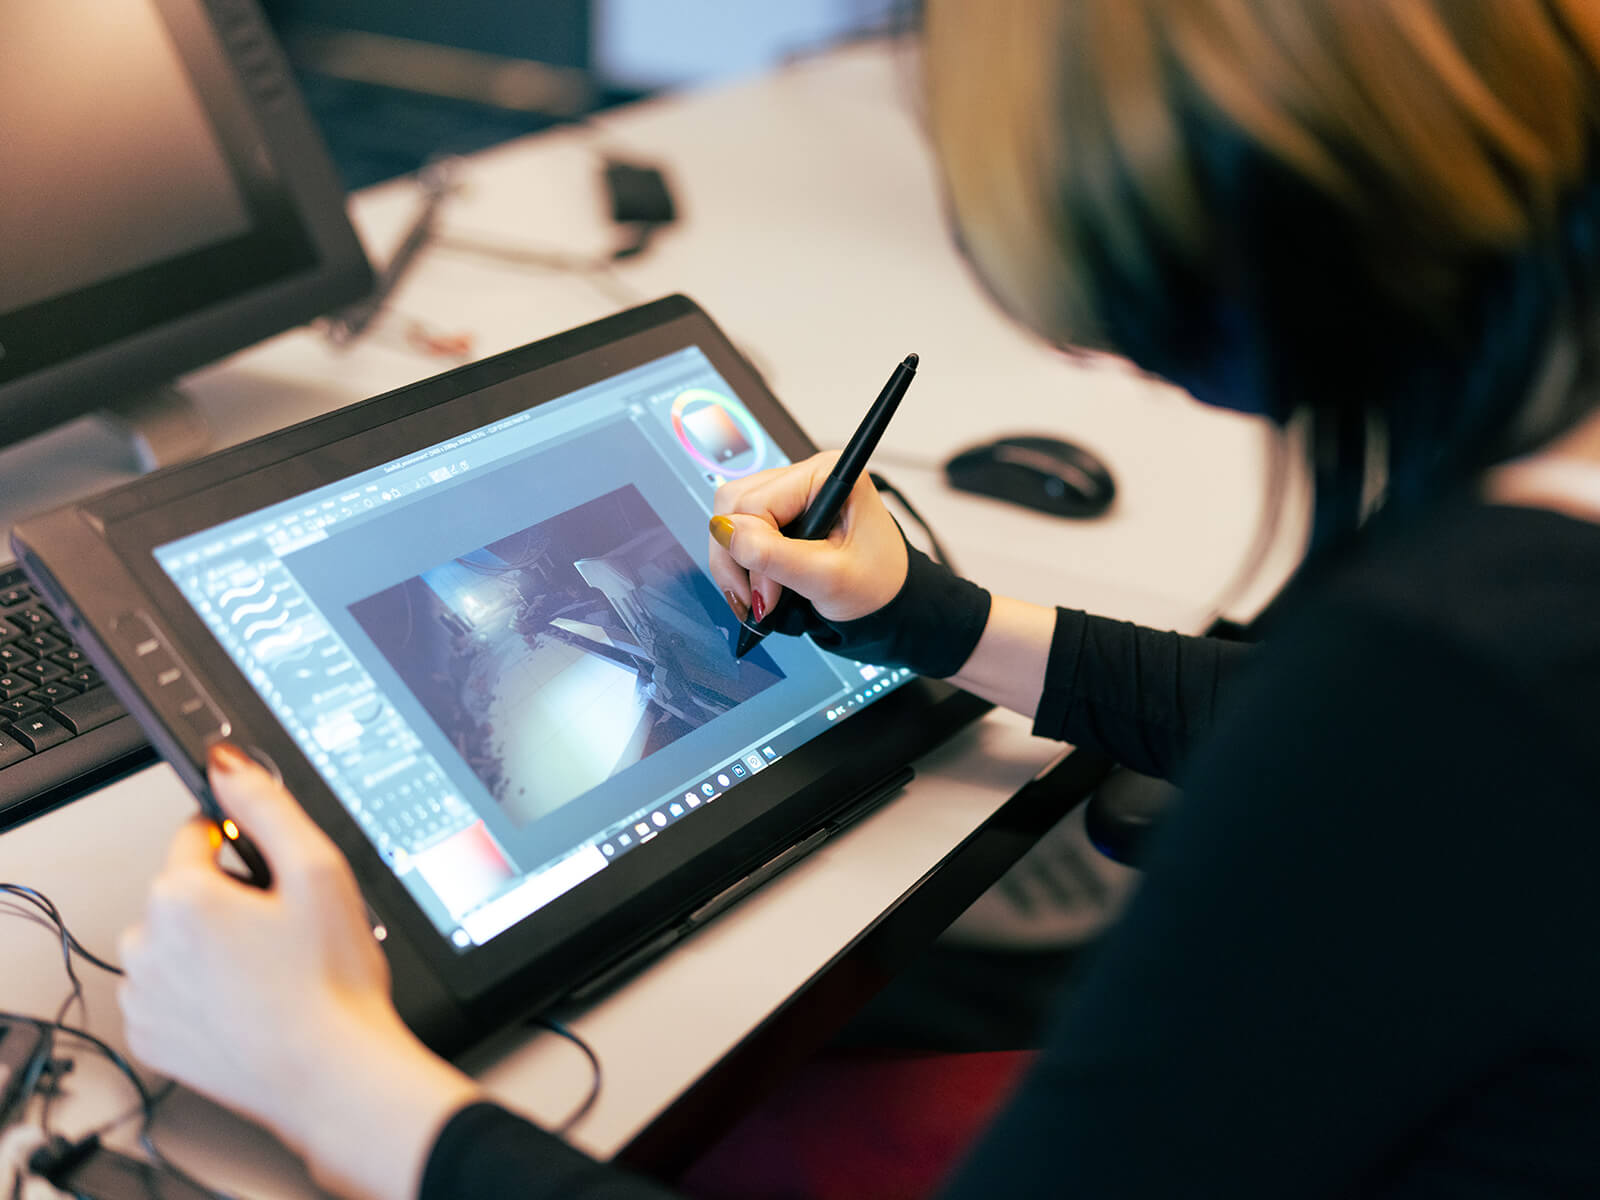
395 82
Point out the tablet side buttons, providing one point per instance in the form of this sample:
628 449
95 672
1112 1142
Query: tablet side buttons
159 673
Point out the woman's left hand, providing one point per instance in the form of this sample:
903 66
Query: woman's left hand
276 1003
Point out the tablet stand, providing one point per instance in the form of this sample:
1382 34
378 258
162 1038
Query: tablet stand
161 426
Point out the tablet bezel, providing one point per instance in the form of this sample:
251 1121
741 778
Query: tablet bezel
93 557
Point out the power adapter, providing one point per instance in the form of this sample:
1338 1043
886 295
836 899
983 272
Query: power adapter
641 199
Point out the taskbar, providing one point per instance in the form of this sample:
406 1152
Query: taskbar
644 825
544 885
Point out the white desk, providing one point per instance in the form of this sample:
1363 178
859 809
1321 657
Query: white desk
811 230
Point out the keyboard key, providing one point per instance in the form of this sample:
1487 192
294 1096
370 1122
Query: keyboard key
95 707
72 658
11 749
14 596
40 732
40 672
20 706
52 693
44 643
84 679
32 619
13 655
15 685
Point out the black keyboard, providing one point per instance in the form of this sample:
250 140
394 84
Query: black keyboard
62 732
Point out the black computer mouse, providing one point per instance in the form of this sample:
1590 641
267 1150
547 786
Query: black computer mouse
1042 473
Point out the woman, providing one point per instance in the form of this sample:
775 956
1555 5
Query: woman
1363 957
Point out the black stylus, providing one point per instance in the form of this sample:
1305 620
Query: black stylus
813 524
259 873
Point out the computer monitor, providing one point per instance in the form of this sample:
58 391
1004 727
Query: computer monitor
166 200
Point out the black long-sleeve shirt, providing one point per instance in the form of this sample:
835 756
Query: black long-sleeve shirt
1365 957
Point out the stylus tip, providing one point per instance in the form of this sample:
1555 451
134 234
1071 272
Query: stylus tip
747 641
911 362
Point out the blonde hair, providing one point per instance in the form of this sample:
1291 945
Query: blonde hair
1443 131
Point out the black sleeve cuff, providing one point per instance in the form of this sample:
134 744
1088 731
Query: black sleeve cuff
487 1153
1143 696
1060 674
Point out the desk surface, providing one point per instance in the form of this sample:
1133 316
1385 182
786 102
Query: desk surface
811 230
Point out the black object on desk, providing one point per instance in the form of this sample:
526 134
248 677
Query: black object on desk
1042 473
813 524
640 201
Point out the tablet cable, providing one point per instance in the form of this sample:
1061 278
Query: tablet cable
60 1154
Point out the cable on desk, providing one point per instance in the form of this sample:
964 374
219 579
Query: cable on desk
69 946
561 1029
147 1103
940 554
599 271
47 906
145 1108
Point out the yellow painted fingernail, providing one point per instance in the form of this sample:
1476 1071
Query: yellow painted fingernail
722 530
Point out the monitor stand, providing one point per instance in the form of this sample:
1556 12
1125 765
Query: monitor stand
162 427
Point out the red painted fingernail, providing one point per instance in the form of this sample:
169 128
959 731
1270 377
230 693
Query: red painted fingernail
226 757
739 610
758 606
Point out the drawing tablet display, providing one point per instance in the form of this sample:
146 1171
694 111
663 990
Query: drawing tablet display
471 624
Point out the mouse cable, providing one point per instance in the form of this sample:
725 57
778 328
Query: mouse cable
940 554
596 1076
1262 539
599 271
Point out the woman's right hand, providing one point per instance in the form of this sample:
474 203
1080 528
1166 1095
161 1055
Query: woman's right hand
856 570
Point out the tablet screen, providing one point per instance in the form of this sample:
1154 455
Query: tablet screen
503 652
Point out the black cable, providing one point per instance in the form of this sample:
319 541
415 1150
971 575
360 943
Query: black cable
598 271
110 1053
561 1029
75 995
940 554
47 906
145 1107
147 1103
69 946
157 1098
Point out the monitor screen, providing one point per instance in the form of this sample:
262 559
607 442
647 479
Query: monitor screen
503 652
122 164
158 171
